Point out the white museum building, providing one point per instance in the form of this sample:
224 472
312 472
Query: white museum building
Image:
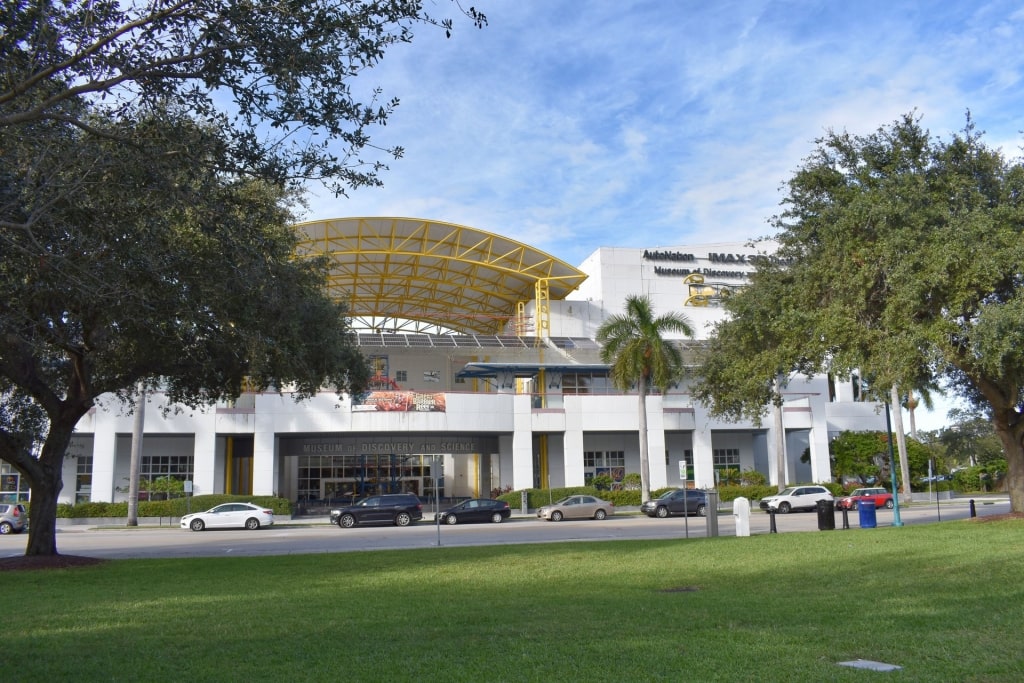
485 366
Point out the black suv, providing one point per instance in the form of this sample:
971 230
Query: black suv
400 509
678 502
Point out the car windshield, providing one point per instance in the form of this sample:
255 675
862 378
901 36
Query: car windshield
563 501
788 492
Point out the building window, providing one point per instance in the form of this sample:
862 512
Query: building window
172 466
83 479
401 376
13 487
611 463
726 458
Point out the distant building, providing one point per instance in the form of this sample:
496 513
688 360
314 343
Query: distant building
486 372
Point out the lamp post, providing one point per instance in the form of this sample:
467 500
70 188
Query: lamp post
896 521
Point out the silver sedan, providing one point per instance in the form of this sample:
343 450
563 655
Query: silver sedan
576 507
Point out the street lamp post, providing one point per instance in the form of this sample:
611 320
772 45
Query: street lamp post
896 521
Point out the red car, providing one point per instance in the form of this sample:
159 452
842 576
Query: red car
881 497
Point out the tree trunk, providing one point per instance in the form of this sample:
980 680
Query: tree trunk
1012 438
901 444
45 475
42 514
645 461
46 484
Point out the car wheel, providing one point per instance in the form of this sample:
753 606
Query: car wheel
889 504
702 510
403 519
556 516
784 508
600 514
496 518
196 525
347 521
451 519
252 524
6 528
662 511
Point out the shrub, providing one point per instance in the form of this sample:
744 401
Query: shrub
632 481
175 507
753 478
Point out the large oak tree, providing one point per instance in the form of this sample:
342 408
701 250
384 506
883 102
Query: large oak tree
901 256
150 157
148 269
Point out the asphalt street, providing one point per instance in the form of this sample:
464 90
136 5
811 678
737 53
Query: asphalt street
317 535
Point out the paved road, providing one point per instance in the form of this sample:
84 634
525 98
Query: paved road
317 536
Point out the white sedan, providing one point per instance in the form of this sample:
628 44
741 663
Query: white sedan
229 516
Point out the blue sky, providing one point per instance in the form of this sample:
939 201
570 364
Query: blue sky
573 125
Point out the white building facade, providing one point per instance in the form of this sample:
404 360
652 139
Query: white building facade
527 406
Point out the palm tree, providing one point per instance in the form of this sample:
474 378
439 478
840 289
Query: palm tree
634 346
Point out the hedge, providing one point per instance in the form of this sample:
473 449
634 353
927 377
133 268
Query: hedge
536 498
175 507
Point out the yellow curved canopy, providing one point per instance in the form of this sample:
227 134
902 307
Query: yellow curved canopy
417 275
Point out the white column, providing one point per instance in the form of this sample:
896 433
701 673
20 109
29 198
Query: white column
703 449
656 442
104 460
264 474
522 443
821 465
204 464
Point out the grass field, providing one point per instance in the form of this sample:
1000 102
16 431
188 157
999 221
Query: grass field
945 602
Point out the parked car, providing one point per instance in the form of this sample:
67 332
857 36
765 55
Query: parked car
230 516
400 509
476 510
13 518
576 507
677 502
796 498
881 497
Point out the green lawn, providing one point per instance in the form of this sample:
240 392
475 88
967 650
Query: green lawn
943 601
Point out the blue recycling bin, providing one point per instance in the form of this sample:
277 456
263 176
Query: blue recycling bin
868 519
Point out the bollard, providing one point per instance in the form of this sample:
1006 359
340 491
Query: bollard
712 513
741 515
846 518
771 526
974 510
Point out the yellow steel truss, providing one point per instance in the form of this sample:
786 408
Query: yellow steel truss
451 276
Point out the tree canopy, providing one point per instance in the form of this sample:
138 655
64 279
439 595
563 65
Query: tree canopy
900 257
864 456
150 157
275 77
147 268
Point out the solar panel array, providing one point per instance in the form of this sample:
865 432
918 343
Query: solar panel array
474 341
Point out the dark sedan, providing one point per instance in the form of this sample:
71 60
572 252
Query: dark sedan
476 510
678 502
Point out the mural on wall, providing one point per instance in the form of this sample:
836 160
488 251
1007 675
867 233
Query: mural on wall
386 395
400 401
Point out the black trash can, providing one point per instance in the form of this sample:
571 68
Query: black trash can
866 508
826 515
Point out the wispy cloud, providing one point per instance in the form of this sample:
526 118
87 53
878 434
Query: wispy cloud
572 125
